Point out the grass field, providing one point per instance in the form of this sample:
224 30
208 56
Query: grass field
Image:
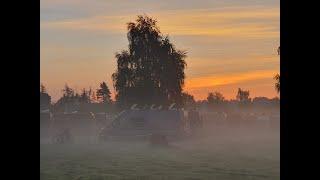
227 157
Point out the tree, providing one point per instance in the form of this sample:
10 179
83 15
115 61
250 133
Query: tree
104 94
93 97
277 77
84 96
188 100
42 89
45 99
151 70
90 92
277 84
275 101
243 96
261 101
68 99
68 92
215 98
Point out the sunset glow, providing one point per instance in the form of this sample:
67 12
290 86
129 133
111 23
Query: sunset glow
230 44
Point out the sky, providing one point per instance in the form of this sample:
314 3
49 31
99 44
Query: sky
231 44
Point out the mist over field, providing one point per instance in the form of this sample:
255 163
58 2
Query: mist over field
218 151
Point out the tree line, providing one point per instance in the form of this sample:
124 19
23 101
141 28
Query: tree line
102 96
71 98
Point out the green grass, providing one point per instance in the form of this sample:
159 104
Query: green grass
222 158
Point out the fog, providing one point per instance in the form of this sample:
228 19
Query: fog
233 145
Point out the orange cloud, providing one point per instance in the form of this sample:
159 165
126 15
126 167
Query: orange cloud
262 87
219 80
239 25
235 22
260 83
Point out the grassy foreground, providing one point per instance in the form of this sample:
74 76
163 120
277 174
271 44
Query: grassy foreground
232 157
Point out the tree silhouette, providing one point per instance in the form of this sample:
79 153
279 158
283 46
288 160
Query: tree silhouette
42 89
67 99
277 84
243 96
215 98
103 93
93 97
151 70
84 96
68 92
277 77
188 100
45 99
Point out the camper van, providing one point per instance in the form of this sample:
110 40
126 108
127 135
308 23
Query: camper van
144 123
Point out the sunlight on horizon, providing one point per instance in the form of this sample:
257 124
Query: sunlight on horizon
230 44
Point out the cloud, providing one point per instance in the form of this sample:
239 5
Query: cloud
260 83
225 22
230 43
257 88
232 78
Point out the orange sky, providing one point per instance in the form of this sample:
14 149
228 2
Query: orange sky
230 44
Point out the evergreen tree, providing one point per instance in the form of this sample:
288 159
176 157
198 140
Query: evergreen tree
103 93
45 99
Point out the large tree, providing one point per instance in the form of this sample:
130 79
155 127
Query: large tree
152 69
